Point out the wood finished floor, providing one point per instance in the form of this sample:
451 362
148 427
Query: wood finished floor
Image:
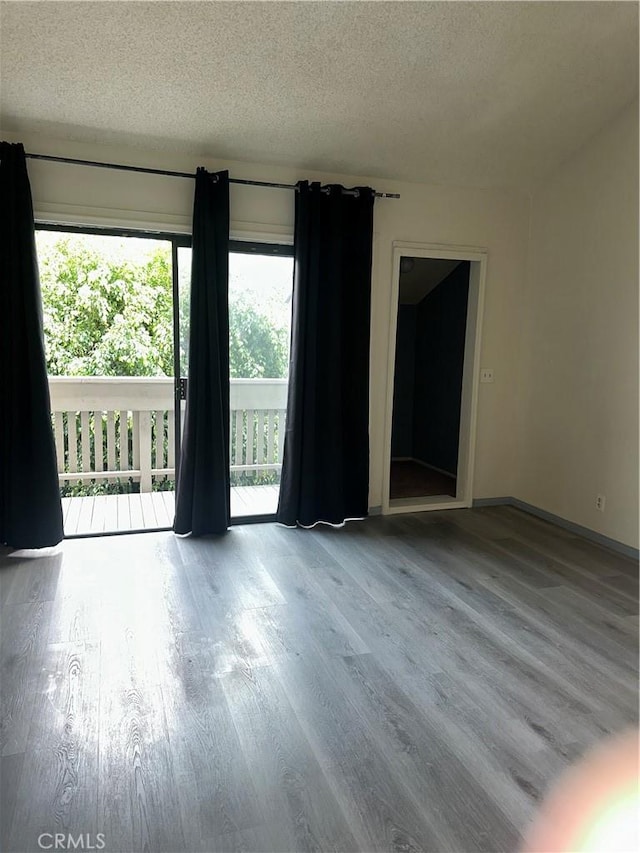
407 683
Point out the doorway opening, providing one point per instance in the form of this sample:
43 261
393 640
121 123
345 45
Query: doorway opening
435 335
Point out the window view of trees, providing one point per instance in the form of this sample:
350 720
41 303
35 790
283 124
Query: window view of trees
104 313
107 311
257 348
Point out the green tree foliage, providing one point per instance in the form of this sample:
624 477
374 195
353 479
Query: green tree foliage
257 348
109 316
104 316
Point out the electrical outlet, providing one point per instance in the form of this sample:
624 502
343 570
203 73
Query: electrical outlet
600 501
486 374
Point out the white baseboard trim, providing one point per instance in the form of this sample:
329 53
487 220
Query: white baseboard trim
571 526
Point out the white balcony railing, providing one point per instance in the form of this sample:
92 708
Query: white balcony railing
114 428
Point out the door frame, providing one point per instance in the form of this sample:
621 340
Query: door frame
470 375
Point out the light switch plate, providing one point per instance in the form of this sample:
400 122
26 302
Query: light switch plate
486 374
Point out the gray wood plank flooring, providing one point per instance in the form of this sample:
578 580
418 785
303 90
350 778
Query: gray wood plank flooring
406 683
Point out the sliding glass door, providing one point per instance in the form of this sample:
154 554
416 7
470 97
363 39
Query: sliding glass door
116 322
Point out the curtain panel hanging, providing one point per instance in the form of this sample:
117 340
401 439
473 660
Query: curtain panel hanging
30 506
325 472
203 487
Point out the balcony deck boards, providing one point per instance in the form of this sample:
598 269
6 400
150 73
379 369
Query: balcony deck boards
152 510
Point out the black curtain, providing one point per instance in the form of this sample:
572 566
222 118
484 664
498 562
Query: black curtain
30 507
325 472
203 490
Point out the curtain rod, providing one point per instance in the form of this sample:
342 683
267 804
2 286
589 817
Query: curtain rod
52 159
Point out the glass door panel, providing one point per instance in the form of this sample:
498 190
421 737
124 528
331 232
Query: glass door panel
260 290
182 297
108 327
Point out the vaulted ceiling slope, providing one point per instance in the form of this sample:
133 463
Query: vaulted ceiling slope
477 94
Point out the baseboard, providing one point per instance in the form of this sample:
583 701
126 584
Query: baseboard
424 465
505 501
433 468
571 526
375 510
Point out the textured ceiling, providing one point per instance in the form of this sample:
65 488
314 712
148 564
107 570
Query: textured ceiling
424 276
484 94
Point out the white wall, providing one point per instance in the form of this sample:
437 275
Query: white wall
578 422
497 221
